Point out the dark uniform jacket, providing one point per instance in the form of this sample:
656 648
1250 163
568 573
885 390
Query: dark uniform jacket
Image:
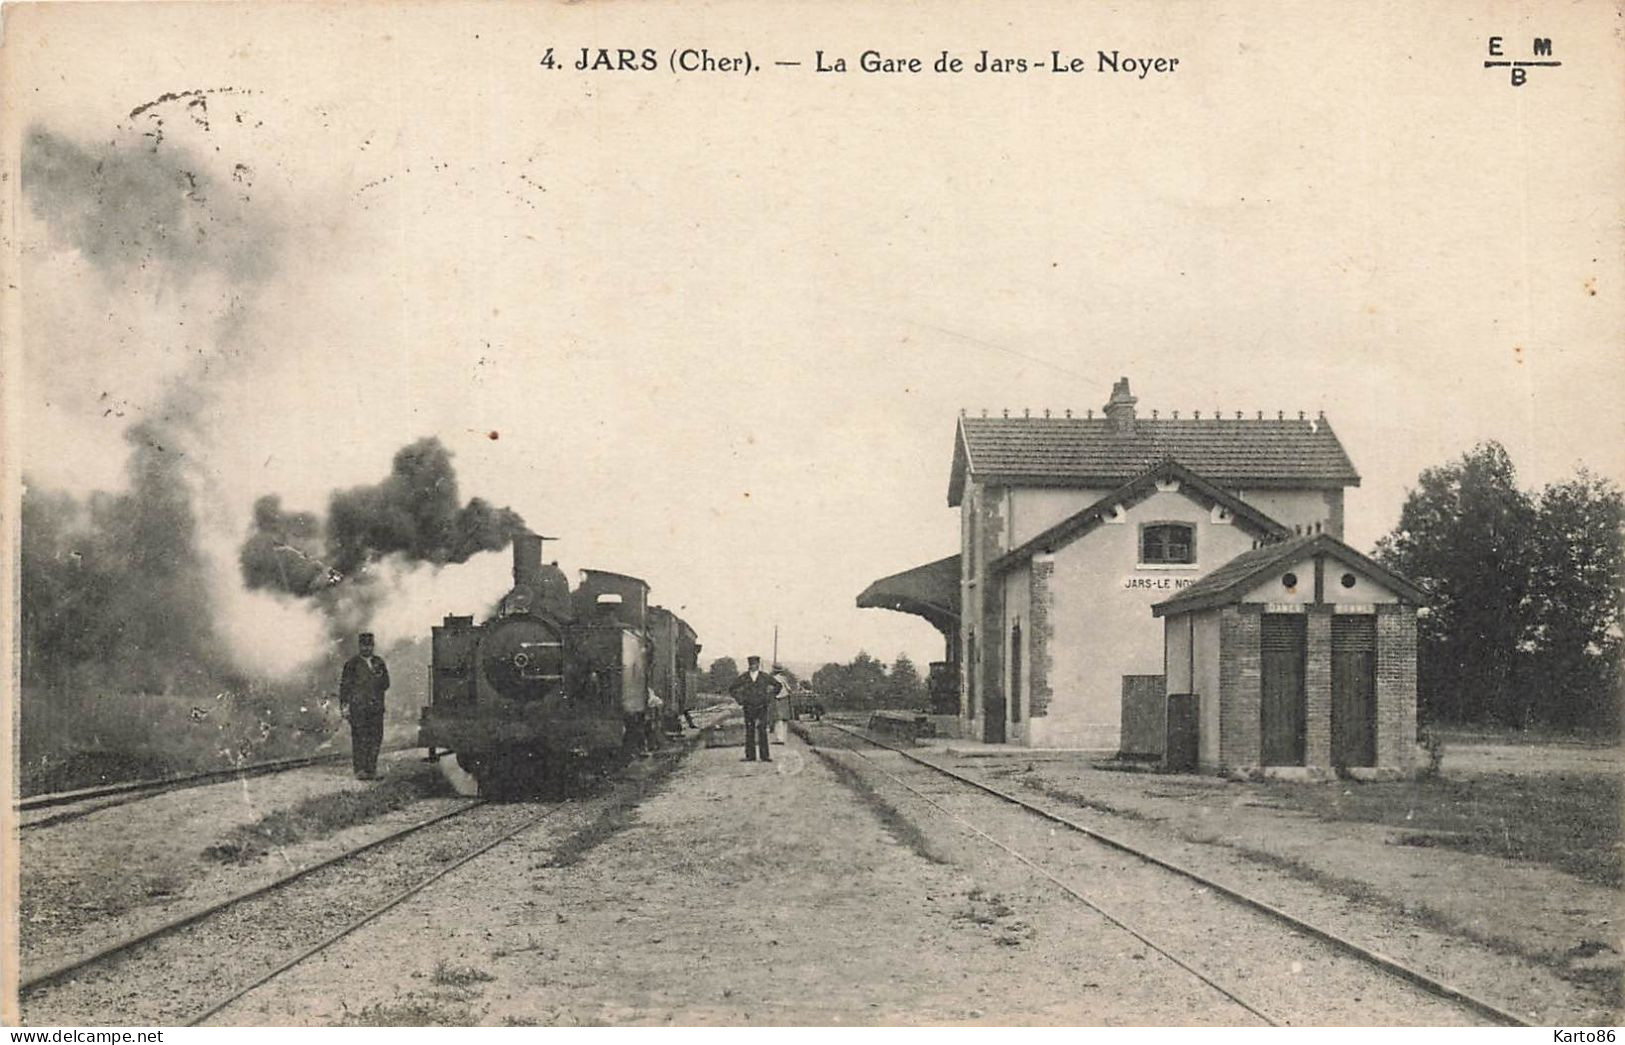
362 686
755 695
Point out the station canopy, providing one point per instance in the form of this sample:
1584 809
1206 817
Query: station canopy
930 591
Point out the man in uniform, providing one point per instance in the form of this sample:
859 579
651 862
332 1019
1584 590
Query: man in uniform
361 700
755 690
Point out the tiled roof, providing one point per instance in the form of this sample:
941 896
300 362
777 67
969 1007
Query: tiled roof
930 591
1080 451
1238 576
1133 492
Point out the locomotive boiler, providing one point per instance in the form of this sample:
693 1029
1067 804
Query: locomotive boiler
555 681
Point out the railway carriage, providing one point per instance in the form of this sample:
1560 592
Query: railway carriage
555 680
674 665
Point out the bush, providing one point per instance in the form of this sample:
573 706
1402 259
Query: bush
70 740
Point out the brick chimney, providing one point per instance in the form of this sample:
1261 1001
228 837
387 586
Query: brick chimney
1120 408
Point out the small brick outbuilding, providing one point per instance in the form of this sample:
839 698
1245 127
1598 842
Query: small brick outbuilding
1296 654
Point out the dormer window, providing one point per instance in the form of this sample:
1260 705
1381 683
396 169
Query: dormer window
1167 544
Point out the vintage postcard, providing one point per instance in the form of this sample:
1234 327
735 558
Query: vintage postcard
748 513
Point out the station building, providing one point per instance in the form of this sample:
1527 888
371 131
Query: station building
1073 528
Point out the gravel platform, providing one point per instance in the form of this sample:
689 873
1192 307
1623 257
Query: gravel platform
1476 921
119 871
746 894
168 980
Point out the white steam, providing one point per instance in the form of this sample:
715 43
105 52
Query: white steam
414 596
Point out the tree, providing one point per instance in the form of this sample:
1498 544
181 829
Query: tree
1575 597
1523 622
860 685
722 671
829 681
1464 535
904 687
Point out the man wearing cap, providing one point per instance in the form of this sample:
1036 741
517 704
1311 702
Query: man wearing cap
755 690
361 700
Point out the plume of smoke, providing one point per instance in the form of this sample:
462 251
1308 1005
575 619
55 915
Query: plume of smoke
269 635
379 562
147 258
118 589
283 551
114 587
406 599
149 263
410 517
414 512
125 208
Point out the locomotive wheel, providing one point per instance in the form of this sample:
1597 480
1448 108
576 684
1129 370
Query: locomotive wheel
513 773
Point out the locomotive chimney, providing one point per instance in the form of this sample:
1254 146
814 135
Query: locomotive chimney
527 559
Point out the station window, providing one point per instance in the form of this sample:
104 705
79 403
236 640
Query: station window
1167 544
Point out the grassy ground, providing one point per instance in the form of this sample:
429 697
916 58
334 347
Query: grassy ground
89 738
326 814
1468 734
95 737
1571 822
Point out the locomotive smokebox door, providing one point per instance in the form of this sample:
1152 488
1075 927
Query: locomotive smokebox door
522 658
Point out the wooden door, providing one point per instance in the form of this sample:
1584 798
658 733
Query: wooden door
1183 745
1354 690
1282 717
1015 672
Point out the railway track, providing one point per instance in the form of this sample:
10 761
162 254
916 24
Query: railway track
88 800
262 940
388 905
62 971
258 931
942 802
225 1001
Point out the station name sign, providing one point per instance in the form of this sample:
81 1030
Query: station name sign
1152 582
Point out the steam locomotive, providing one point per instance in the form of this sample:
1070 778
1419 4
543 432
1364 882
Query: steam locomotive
556 681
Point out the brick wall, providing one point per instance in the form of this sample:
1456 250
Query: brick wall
1318 688
1396 686
1043 634
968 633
984 601
1240 692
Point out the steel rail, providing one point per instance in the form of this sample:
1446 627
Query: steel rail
56 973
689 743
1387 963
172 783
1223 988
386 907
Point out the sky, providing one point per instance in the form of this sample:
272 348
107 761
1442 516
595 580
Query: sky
715 330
